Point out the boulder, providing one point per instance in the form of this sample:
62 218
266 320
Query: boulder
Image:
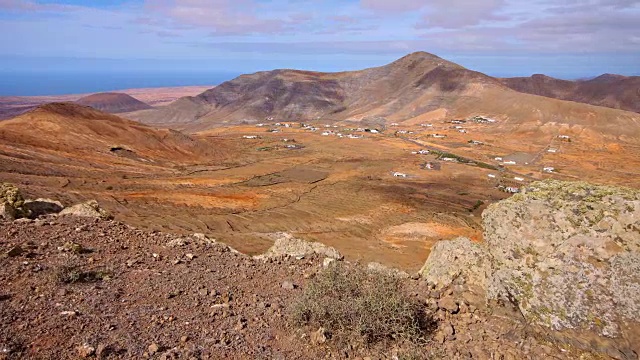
458 258
90 209
41 207
568 255
11 202
7 212
287 245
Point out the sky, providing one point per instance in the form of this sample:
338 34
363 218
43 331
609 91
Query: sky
564 38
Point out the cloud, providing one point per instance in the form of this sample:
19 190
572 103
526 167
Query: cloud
31 6
224 17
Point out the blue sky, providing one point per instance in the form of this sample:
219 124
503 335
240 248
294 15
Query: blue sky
569 38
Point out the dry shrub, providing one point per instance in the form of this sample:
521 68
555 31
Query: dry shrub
353 301
72 274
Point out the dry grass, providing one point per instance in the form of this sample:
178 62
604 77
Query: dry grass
352 301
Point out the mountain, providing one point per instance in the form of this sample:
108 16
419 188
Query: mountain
608 90
83 132
113 102
418 87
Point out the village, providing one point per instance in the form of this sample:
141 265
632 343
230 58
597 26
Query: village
503 172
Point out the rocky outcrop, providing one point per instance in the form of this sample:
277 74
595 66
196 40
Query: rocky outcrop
90 209
287 245
567 255
40 207
458 258
11 202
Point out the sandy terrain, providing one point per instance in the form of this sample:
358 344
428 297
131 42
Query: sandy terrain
11 106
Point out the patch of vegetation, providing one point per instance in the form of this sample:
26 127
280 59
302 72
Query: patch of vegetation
72 274
476 205
353 302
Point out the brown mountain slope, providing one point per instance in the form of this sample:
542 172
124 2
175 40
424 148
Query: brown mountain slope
83 132
613 91
113 102
416 87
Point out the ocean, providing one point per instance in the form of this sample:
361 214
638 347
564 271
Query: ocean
63 83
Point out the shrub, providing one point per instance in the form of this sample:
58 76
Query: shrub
350 300
71 274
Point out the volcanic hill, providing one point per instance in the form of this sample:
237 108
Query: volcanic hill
113 102
418 87
608 90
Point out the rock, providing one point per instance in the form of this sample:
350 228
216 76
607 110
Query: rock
89 209
318 337
449 304
568 254
7 212
85 351
153 348
288 285
286 244
458 258
41 207
15 251
11 202
377 267
327 262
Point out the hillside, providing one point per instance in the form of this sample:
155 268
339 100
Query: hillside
80 131
613 91
113 102
415 88
11 106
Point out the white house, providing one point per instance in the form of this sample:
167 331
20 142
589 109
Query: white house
423 152
518 178
450 159
250 137
564 137
399 174
492 176
498 159
510 162
548 169
552 150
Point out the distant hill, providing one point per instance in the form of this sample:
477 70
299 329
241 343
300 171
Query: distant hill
83 131
113 103
419 87
608 90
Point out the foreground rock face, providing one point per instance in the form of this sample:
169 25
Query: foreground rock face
567 255
458 258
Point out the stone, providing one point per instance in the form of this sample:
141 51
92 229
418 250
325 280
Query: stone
153 349
569 257
7 212
449 304
319 336
90 209
565 255
85 351
288 285
15 251
40 207
286 244
327 262
458 258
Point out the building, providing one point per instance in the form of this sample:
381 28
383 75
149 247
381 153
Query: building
552 150
493 176
432 165
510 162
399 174
251 137
518 178
548 169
